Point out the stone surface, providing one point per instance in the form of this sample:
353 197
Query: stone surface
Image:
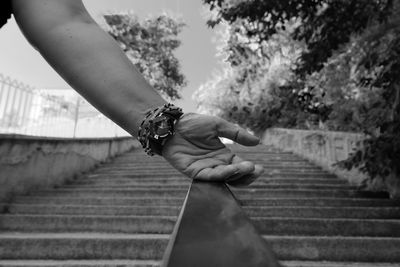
28 163
122 214
325 148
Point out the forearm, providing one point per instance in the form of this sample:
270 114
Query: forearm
97 68
94 65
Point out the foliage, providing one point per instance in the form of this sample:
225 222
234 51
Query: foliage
150 45
352 105
325 24
248 90
347 78
378 156
380 68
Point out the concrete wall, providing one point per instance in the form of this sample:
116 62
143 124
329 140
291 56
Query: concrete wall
28 163
325 148
320 147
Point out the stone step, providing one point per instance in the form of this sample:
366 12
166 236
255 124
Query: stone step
300 175
81 263
162 178
313 180
142 157
253 211
102 200
181 176
134 168
181 186
262 149
325 212
157 181
119 179
140 192
128 181
77 246
251 201
165 164
169 172
322 248
185 185
149 162
168 168
87 223
121 215
294 161
284 170
73 246
285 193
138 263
337 264
320 202
272 158
164 225
276 159
135 176
137 172
51 209
288 165
240 193
327 227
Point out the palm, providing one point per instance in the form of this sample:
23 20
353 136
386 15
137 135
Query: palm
196 150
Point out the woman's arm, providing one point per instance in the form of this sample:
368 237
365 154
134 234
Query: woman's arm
87 58
95 66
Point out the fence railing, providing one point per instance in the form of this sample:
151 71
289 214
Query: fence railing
52 113
212 230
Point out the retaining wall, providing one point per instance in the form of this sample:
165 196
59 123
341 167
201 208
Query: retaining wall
325 148
28 163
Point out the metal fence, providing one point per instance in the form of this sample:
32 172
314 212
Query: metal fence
50 113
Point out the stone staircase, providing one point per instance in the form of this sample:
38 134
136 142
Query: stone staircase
122 214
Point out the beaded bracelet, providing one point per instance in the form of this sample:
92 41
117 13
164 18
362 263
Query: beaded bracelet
157 127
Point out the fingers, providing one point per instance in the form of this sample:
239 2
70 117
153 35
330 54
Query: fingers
244 176
235 133
216 174
246 180
239 173
221 172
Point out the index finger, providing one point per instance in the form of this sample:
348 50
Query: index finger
235 133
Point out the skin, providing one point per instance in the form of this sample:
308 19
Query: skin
93 64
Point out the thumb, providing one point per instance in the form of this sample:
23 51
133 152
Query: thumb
235 133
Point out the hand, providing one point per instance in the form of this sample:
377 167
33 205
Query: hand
196 151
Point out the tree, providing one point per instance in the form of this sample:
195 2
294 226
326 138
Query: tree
349 75
379 70
325 24
150 45
250 88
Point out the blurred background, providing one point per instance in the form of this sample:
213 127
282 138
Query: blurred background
35 100
310 65
52 113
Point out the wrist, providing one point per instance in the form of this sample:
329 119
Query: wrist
157 127
135 115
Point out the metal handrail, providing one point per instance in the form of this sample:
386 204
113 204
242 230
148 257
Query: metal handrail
212 230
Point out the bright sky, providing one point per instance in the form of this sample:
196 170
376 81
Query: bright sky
197 53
